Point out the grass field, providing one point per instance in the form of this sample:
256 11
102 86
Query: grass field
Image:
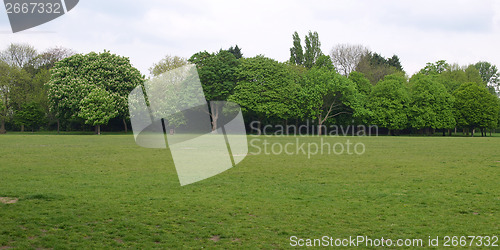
86 191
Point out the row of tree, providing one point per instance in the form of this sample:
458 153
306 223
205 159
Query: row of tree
351 85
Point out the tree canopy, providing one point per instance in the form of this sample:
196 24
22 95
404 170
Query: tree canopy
75 79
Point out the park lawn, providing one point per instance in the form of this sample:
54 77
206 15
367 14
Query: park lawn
87 191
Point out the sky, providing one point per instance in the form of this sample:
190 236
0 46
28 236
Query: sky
458 31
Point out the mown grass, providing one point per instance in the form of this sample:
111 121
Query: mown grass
86 191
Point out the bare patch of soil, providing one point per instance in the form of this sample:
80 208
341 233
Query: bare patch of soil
215 238
8 200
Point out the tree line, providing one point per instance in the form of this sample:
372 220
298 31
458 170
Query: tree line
59 89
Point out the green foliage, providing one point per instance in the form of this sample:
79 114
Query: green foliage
327 94
324 61
451 76
31 115
375 67
236 51
267 87
98 107
435 68
431 105
13 82
475 107
217 73
166 64
75 78
389 103
395 63
310 54
489 73
362 83
296 52
312 49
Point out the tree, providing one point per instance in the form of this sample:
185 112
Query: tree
324 61
435 68
327 94
12 78
431 105
346 57
236 51
312 49
218 77
48 58
267 88
395 63
167 63
75 77
97 108
375 67
475 107
389 103
20 55
31 115
489 73
362 83
296 52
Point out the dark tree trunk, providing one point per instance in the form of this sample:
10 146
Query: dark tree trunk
2 126
22 128
58 126
320 130
125 125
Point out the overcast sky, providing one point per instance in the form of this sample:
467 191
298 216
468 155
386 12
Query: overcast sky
418 32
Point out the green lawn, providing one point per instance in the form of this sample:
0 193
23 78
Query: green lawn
86 191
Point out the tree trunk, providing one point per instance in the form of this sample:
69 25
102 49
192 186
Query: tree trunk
388 132
2 126
319 126
125 125
58 126
22 128
98 129
214 126
444 132
214 113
